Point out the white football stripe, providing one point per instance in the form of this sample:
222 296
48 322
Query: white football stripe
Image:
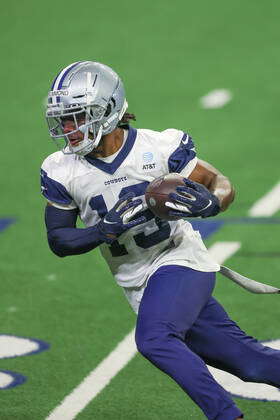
268 204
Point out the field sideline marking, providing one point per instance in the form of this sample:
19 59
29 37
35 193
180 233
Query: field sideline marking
268 204
101 376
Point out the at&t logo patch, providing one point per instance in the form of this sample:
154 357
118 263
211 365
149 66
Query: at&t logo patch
147 157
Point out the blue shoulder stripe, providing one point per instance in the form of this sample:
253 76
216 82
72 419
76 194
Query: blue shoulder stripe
53 190
181 156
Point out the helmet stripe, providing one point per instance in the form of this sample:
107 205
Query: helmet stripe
54 81
61 76
65 74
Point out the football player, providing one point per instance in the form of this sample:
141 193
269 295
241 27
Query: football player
100 174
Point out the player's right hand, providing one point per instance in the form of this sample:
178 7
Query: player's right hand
118 219
193 200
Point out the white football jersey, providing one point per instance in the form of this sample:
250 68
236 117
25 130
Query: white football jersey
95 185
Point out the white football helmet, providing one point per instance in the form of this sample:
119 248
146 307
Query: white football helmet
88 90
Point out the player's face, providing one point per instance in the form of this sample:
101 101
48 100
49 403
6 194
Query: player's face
68 125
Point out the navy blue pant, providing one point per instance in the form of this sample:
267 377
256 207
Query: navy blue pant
180 327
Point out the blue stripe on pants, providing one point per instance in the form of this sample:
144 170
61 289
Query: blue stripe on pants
172 302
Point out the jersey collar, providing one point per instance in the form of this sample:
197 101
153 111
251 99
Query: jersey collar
111 167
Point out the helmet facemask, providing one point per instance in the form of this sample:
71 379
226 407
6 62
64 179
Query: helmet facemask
91 128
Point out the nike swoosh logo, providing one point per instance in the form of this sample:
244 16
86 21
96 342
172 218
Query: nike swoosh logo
107 221
208 205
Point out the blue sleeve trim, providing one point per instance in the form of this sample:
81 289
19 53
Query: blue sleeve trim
184 153
53 190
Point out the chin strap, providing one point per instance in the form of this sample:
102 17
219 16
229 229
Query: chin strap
248 284
90 144
96 141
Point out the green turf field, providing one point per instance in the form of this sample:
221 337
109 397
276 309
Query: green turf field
169 54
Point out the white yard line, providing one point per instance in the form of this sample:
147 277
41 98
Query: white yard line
98 379
268 204
216 99
221 251
101 376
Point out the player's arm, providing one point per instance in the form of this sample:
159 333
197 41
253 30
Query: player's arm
61 216
207 191
66 239
63 236
215 182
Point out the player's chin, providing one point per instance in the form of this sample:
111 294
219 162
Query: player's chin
75 143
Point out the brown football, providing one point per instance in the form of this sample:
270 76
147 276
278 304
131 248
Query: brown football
157 192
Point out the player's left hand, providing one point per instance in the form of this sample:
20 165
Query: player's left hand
193 200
